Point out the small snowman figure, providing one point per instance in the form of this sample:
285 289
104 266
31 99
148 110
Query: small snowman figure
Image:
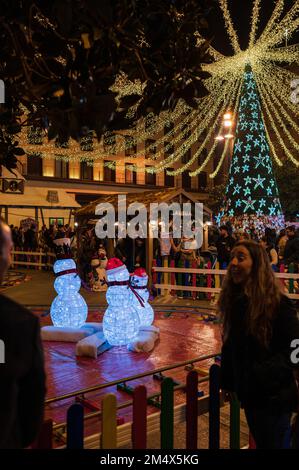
139 280
68 309
120 322
99 263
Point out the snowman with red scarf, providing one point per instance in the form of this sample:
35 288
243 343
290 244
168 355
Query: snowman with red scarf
139 280
68 309
121 321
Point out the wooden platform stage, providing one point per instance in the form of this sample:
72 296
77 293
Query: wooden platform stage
184 335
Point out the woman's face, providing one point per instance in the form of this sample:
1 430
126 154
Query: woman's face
240 265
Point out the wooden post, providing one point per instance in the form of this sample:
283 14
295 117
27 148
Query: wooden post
75 427
214 407
172 277
291 281
42 215
110 248
191 410
167 414
194 265
149 252
139 418
282 270
109 430
209 279
205 237
217 280
165 275
36 214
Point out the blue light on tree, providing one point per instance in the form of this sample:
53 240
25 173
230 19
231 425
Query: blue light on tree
139 280
251 174
68 309
121 321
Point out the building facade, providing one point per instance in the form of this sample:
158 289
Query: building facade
114 172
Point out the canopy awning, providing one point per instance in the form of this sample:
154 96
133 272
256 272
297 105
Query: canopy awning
43 198
146 198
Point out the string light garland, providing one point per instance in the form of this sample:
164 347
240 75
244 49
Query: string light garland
276 14
229 26
254 21
267 55
269 105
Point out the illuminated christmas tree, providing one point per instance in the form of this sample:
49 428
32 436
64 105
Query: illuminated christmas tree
251 198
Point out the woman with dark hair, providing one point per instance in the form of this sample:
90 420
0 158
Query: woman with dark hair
259 324
271 252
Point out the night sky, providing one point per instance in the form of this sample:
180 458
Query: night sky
240 11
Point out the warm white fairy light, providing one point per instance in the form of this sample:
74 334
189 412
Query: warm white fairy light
276 14
277 113
254 21
267 55
198 128
229 26
204 144
272 148
276 131
282 109
209 127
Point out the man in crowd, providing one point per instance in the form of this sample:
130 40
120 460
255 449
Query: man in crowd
224 246
22 376
291 250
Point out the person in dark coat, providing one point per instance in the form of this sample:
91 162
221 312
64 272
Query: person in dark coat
22 376
259 324
224 246
291 250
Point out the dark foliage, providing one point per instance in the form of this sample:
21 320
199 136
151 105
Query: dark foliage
287 178
59 58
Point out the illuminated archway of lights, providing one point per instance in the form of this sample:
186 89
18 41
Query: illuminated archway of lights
271 56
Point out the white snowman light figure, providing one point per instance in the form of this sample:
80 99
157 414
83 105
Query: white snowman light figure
139 280
68 309
120 322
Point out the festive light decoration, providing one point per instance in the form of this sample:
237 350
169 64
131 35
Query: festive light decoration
265 54
252 198
139 280
68 309
121 321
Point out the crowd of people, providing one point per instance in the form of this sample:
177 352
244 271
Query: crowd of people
29 238
282 247
91 252
259 324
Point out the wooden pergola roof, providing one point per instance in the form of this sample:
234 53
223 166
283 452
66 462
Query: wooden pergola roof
146 198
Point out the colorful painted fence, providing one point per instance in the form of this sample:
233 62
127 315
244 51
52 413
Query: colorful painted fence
136 433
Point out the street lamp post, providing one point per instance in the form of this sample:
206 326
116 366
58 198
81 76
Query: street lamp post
226 134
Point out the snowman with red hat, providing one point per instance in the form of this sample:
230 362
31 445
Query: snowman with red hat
139 280
121 321
69 308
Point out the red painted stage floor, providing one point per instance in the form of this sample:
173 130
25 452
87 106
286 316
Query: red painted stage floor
183 336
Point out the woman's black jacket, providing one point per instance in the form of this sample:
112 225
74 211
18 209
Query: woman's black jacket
261 376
